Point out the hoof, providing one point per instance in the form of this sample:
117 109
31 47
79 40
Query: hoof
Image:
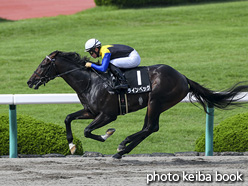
111 131
117 156
72 148
121 148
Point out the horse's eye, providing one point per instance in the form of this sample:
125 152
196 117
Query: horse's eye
44 65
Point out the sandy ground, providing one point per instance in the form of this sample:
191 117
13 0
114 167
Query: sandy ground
179 170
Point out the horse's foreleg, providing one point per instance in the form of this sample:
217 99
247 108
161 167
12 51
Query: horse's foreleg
82 114
98 122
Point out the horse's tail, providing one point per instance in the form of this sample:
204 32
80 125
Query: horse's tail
220 100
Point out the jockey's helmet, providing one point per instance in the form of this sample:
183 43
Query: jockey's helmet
92 44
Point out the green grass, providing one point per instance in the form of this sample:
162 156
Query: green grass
207 43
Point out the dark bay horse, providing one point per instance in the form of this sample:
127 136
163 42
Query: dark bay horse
168 86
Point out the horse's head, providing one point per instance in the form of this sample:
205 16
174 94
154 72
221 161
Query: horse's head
45 72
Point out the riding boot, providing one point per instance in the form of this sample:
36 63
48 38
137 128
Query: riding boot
120 77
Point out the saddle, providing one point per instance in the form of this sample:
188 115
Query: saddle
138 82
137 78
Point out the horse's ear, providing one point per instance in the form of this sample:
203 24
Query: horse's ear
54 53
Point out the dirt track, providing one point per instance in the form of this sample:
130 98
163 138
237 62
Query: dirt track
128 171
25 9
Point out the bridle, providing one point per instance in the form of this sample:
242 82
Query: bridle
45 77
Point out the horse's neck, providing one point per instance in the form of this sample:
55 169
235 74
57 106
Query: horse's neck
79 82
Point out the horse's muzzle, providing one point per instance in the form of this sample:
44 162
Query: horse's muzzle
36 84
30 84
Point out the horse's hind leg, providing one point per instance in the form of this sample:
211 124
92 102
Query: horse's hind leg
151 125
130 138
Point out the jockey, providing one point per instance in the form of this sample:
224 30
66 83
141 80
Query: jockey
115 56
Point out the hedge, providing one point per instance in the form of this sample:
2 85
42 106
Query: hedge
36 137
141 3
230 135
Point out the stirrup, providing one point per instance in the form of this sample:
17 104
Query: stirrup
121 86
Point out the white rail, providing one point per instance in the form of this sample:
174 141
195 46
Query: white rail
20 99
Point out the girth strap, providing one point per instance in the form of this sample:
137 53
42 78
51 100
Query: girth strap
122 97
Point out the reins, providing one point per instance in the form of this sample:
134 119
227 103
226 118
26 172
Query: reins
104 79
61 74
45 79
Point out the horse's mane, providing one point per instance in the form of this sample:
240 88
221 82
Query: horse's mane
73 57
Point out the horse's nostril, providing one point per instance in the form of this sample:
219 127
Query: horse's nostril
30 84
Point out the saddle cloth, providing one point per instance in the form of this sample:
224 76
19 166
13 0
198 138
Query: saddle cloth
138 80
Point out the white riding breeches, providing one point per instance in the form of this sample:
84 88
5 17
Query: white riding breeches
133 60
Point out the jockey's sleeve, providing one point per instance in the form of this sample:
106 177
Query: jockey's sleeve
105 63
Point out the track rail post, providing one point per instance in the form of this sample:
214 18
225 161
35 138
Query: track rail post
12 132
209 131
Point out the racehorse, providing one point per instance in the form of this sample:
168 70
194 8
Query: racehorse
168 87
